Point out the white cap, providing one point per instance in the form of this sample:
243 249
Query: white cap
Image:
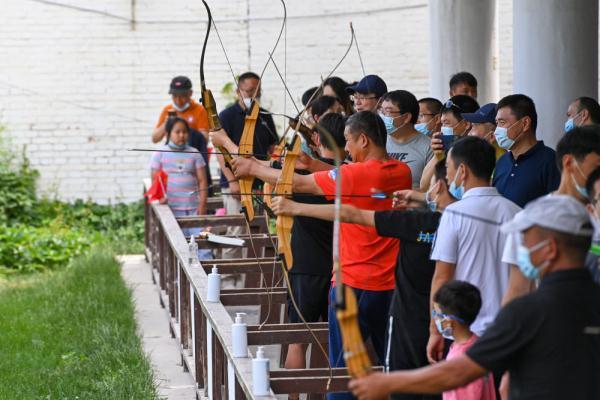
559 213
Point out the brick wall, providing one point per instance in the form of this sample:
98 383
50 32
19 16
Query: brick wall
79 88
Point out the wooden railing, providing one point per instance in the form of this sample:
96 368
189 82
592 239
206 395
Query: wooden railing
203 329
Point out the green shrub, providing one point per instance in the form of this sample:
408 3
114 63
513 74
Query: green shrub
39 234
28 249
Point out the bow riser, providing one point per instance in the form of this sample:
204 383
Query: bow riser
246 148
284 187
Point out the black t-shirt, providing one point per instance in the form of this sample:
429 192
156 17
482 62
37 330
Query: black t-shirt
548 340
265 135
311 237
414 269
196 140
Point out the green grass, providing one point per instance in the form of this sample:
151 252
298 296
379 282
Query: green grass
70 334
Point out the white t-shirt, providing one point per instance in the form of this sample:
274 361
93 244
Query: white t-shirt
469 236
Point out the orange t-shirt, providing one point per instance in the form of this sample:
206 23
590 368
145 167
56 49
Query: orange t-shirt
367 260
195 115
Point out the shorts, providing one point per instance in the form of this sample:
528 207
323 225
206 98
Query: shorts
311 295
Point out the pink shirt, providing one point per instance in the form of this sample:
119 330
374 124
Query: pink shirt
480 389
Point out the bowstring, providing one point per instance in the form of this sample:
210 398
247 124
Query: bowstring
362 65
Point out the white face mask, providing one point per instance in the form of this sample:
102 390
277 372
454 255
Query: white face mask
181 109
247 102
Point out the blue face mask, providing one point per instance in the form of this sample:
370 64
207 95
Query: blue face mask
431 204
389 123
527 268
447 131
177 146
501 135
422 127
581 189
438 318
457 192
181 109
446 332
569 125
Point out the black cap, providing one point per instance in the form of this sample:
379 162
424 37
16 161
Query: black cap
180 84
369 84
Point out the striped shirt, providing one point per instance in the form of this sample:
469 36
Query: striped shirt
182 185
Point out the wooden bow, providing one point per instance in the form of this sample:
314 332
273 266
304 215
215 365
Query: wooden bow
246 148
208 101
355 352
284 188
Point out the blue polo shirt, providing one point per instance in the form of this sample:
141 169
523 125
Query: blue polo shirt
532 175
265 135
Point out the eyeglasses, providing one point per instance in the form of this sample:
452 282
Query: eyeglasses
362 98
389 113
451 104
438 315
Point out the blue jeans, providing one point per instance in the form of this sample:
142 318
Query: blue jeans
203 254
373 308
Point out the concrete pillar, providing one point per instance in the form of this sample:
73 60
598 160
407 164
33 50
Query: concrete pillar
555 57
461 39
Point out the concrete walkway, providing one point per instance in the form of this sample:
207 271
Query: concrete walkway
153 327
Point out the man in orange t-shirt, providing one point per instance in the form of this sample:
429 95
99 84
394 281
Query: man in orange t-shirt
368 260
184 106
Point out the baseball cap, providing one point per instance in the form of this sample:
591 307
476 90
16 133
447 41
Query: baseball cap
557 212
487 113
369 84
180 84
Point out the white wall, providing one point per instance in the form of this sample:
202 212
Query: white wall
79 88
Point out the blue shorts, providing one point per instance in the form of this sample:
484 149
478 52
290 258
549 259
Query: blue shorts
373 308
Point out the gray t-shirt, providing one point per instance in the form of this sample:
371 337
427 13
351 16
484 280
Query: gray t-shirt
416 153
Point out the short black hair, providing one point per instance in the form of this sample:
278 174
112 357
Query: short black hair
440 171
171 124
477 154
463 77
370 124
521 106
405 101
248 75
587 103
459 298
308 95
434 105
579 142
320 105
461 103
339 87
334 124
589 184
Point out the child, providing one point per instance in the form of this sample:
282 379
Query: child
455 307
186 183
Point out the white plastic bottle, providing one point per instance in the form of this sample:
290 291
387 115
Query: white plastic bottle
260 374
193 250
239 332
213 294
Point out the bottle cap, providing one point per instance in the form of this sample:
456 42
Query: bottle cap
260 352
215 270
239 317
